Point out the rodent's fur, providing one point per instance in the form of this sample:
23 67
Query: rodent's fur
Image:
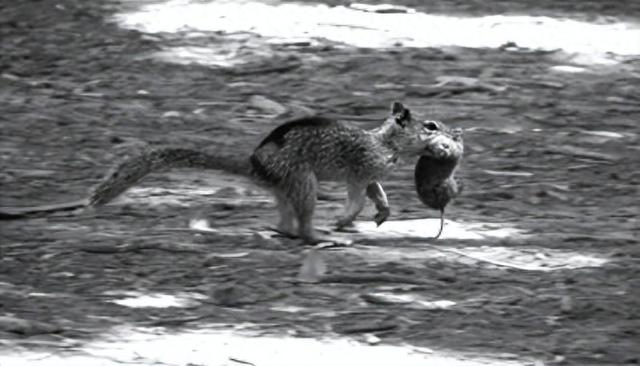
289 161
434 173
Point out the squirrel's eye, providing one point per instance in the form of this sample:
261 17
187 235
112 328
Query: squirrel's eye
430 125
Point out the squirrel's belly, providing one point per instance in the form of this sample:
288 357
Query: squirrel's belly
341 170
332 172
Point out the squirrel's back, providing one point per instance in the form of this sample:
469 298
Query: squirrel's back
331 149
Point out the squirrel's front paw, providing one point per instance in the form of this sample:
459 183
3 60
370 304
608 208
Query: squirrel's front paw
381 216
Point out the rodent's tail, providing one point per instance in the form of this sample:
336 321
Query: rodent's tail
131 170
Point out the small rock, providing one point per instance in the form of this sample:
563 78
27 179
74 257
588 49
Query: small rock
26 327
228 295
226 192
63 274
386 299
606 134
568 69
228 255
423 350
371 339
266 105
382 8
266 239
557 195
508 173
201 225
559 359
171 114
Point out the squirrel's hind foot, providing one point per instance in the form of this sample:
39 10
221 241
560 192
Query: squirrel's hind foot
323 240
345 225
283 233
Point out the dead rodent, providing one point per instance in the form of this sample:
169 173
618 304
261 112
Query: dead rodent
435 182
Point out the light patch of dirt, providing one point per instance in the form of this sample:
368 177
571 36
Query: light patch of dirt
366 27
219 347
427 228
521 257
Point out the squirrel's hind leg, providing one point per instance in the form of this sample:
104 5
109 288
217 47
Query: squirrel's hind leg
287 224
297 196
299 193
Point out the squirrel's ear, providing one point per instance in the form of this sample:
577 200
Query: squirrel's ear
401 114
457 134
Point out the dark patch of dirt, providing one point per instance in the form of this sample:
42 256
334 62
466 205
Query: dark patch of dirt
76 95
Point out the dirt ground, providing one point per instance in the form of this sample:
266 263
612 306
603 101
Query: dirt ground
552 154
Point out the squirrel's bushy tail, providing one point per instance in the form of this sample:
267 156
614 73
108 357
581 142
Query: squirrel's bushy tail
131 170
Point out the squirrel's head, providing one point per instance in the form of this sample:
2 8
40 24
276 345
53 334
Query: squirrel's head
431 138
401 128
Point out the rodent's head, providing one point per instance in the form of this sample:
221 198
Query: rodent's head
441 142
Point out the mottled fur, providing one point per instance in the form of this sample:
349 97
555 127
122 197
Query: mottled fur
128 172
296 155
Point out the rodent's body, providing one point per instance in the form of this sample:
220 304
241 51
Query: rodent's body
289 161
435 181
435 193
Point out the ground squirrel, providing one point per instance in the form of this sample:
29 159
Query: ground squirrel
289 161
435 182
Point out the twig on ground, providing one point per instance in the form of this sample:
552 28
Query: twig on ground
366 328
252 70
121 248
368 278
491 261
174 321
241 361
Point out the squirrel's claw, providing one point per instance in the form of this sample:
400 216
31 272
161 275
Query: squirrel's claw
381 216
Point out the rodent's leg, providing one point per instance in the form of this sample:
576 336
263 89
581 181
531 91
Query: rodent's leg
355 203
379 198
